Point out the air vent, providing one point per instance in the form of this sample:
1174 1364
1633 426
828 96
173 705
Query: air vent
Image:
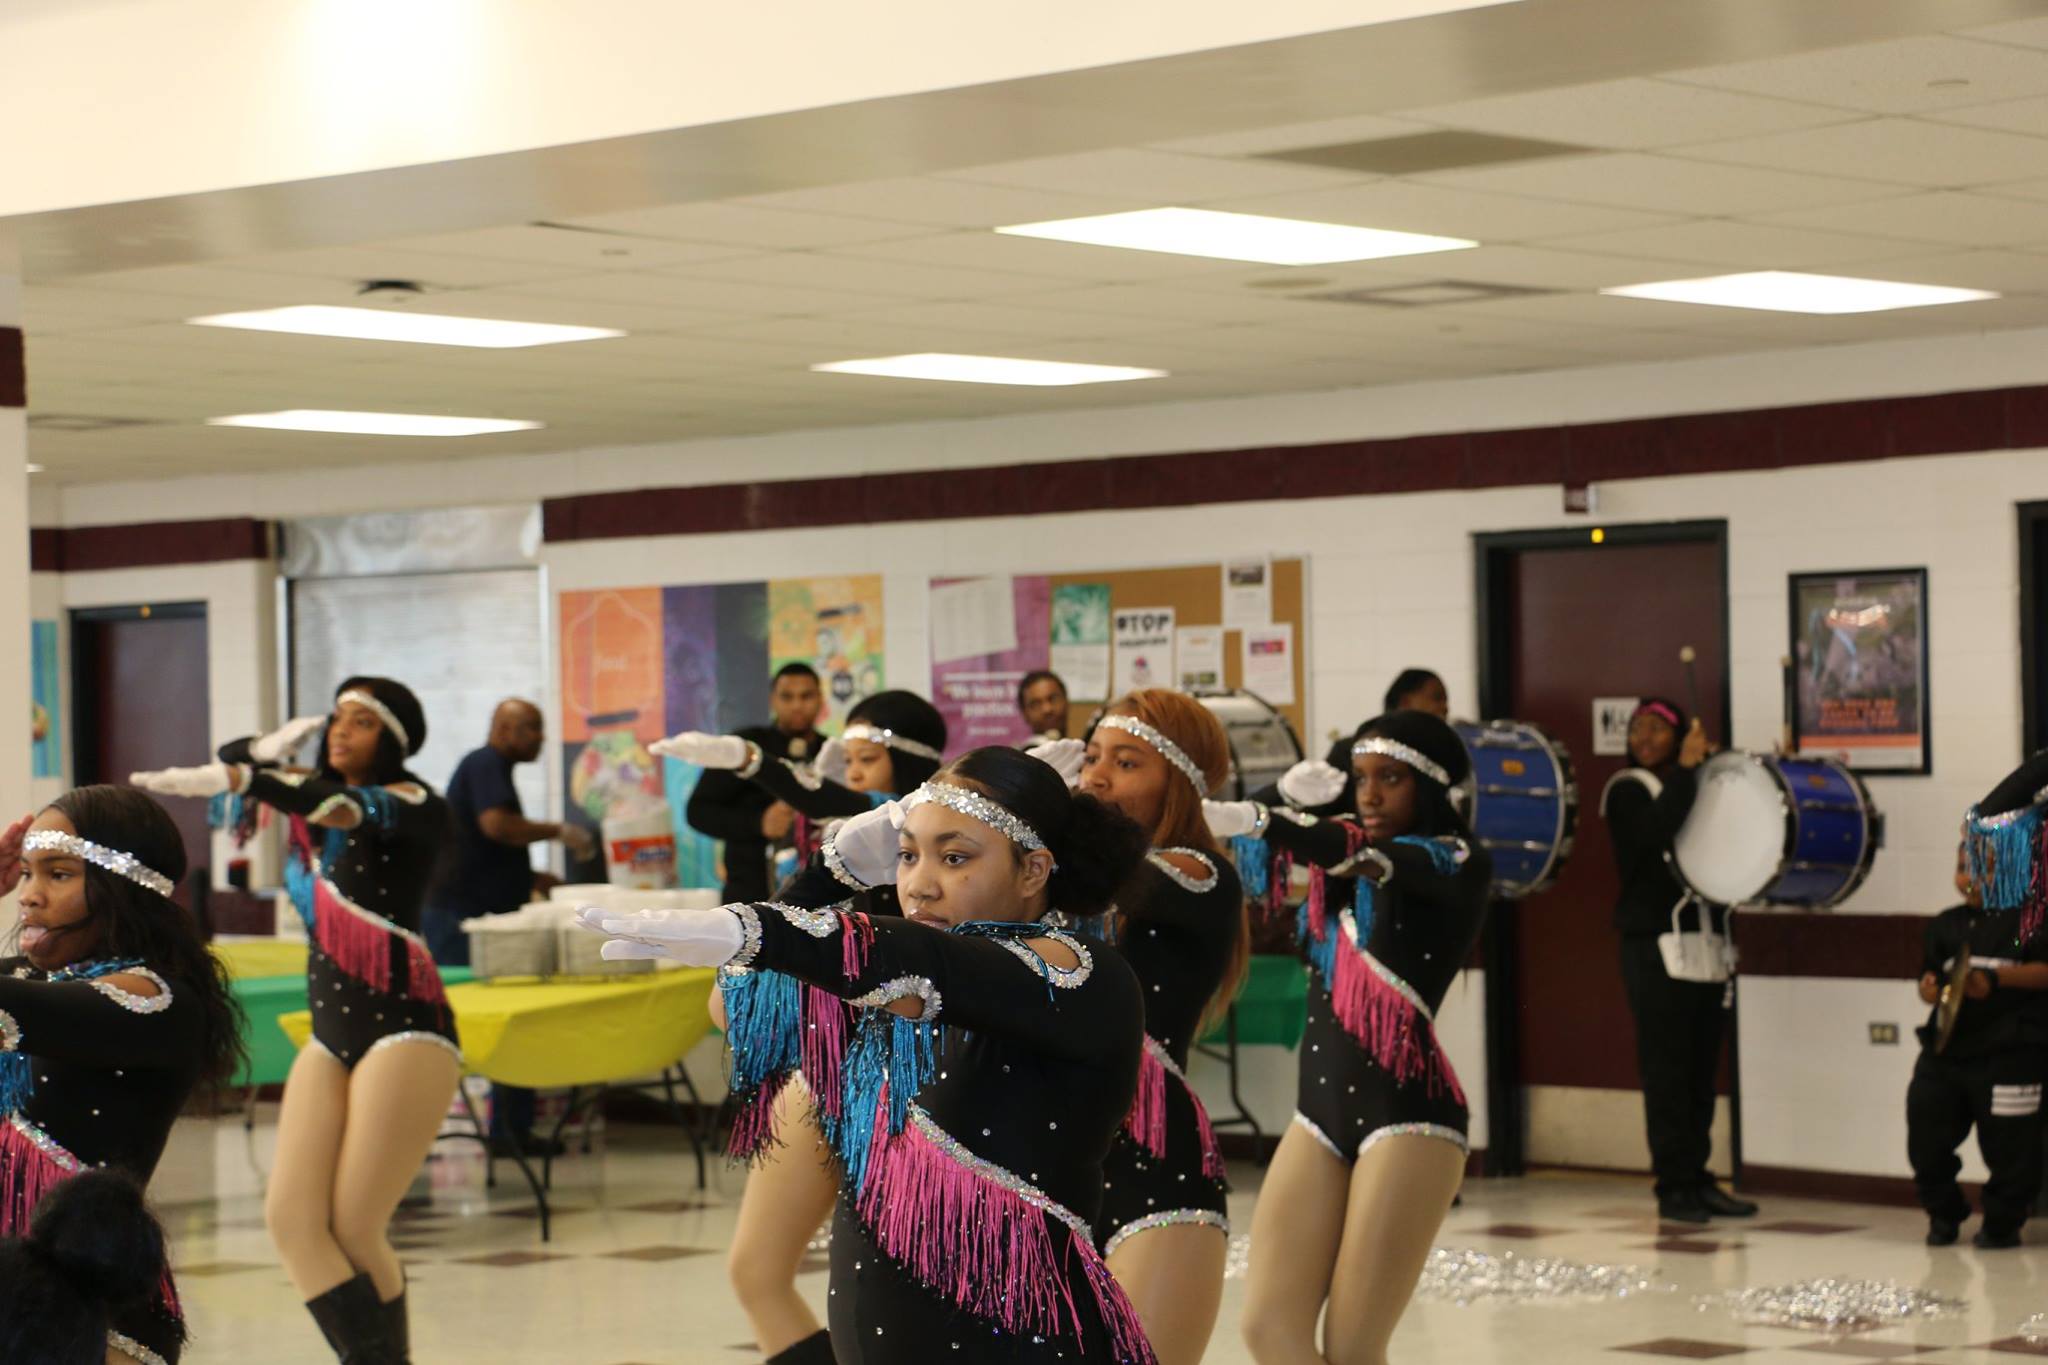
79 422
1427 294
1447 150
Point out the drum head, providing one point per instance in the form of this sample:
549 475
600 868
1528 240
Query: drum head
1733 842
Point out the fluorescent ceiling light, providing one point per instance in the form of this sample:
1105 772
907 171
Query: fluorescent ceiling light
34 468
988 369
1237 236
371 423
379 324
1792 291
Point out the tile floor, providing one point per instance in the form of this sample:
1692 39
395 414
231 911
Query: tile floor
635 1274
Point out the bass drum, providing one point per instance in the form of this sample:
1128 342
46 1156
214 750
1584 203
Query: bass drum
1262 744
1765 830
1522 801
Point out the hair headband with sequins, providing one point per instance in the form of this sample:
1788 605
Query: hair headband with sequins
977 806
382 712
1407 753
889 739
1157 738
99 855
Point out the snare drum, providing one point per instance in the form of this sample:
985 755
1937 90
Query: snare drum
1765 830
1522 801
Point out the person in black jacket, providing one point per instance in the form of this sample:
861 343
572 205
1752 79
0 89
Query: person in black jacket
1679 1024
748 818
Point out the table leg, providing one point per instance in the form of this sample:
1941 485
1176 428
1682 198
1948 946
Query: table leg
480 1133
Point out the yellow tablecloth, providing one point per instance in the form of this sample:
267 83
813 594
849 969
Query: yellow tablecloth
247 958
550 1034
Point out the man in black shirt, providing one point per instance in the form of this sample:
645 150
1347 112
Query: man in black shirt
489 871
750 821
1988 1076
1042 701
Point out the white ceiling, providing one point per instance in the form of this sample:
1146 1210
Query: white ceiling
1921 159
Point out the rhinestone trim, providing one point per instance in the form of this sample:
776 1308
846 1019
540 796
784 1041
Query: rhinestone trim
99 855
382 712
1158 739
129 1000
46 1144
1428 1130
976 806
129 1346
1382 970
1066 978
328 807
994 1174
889 739
413 1036
1206 1218
902 988
1367 854
836 865
816 923
1308 1125
1157 857
10 1033
750 936
1160 1055
1407 753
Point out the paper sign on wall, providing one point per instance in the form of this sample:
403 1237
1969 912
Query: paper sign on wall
1144 648
1247 593
1199 658
1268 665
1610 724
1080 639
972 617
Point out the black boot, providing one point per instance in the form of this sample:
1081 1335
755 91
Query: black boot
815 1349
1942 1232
1724 1205
352 1319
399 1330
1991 1238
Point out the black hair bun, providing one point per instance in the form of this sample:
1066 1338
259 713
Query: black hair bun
1096 853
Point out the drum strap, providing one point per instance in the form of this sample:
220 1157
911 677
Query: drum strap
1650 780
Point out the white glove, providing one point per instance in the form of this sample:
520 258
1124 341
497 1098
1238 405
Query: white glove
830 763
868 845
701 938
285 739
1064 755
1228 819
706 751
1312 782
208 779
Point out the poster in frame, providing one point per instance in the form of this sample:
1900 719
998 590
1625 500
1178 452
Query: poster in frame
1859 685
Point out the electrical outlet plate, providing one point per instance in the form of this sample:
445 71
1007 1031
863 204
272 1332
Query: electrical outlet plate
1884 1035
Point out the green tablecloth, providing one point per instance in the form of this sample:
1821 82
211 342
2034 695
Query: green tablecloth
1272 1007
265 1000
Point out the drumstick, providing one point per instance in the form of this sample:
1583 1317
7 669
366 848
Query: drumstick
1686 655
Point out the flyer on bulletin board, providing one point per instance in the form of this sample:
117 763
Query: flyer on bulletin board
1199 658
1144 648
1080 639
1268 665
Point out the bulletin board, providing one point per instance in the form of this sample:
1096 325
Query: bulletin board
978 692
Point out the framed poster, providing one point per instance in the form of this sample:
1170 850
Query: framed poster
1859 668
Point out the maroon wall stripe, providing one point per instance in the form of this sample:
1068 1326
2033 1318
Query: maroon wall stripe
1826 944
81 549
1703 443
13 374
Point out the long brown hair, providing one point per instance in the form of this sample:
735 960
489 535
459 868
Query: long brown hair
1200 735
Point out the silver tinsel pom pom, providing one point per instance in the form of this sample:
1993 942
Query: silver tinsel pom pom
1834 1306
1239 1258
2035 1330
1464 1277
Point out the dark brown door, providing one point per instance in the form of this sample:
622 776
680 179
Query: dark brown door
1570 621
139 687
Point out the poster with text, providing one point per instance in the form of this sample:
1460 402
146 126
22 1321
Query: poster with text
1199 658
1143 637
45 715
1859 663
1080 639
977 693
1267 669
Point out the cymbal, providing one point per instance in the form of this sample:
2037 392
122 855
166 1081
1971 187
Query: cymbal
1953 993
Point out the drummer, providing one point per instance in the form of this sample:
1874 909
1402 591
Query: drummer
1679 1024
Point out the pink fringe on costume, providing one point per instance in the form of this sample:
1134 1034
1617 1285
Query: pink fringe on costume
1390 1027
1146 1123
359 941
753 1127
988 1246
1319 882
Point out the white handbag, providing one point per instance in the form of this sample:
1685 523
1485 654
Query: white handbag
1695 954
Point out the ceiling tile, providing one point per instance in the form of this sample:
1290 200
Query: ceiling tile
1158 177
712 298
1004 319
1902 76
437 271
754 228
580 308
1942 216
938 202
2020 32
812 270
1756 246
1165 303
2008 271
1908 151
1528 267
2029 116
1632 113
1411 206
1286 136
563 246
219 287
1666 184
1036 256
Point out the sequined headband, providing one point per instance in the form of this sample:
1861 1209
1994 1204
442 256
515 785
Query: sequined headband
1660 711
976 806
1412 756
383 713
1168 750
99 855
882 735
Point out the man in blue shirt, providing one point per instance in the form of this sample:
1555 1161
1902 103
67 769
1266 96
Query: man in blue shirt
489 871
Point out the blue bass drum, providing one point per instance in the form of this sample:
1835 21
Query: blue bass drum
1522 801
1766 830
